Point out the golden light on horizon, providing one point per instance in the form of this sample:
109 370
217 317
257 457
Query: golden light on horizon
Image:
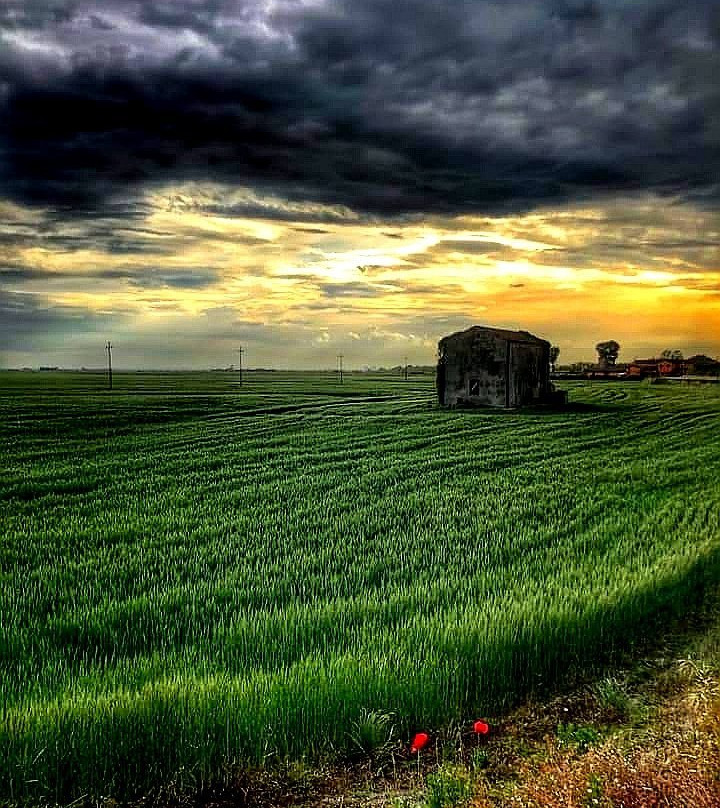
586 271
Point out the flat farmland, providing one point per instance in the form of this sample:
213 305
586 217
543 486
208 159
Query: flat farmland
196 575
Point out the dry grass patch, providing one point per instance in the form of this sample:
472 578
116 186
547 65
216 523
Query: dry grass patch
673 761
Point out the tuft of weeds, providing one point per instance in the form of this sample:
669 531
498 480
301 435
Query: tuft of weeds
479 759
404 801
595 794
449 787
373 734
617 704
577 736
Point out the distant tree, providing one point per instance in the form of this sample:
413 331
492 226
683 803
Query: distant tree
674 355
554 353
607 352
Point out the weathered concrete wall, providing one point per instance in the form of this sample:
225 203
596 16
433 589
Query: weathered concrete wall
483 368
478 361
529 374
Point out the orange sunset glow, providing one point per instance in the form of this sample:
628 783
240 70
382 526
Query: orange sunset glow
637 270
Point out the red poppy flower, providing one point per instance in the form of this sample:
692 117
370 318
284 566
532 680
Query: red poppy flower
419 741
481 727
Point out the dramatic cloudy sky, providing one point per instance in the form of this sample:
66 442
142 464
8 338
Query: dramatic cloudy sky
314 177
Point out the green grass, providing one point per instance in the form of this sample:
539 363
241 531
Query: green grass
194 575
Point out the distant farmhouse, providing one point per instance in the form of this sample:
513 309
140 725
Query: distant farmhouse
696 366
485 366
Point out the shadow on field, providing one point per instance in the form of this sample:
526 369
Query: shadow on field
587 407
574 407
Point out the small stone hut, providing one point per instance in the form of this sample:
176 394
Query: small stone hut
485 366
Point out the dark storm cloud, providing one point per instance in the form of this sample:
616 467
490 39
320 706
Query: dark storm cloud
118 231
11 275
245 210
181 279
108 239
35 13
143 277
380 107
29 321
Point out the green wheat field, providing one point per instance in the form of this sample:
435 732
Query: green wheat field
196 575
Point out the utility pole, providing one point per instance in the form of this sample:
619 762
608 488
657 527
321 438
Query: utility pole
340 359
240 351
108 348
406 369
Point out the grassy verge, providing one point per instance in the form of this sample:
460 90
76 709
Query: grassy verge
646 736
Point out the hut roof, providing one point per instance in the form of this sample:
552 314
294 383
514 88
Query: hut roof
502 333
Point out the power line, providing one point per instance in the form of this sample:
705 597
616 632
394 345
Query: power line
240 351
108 348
